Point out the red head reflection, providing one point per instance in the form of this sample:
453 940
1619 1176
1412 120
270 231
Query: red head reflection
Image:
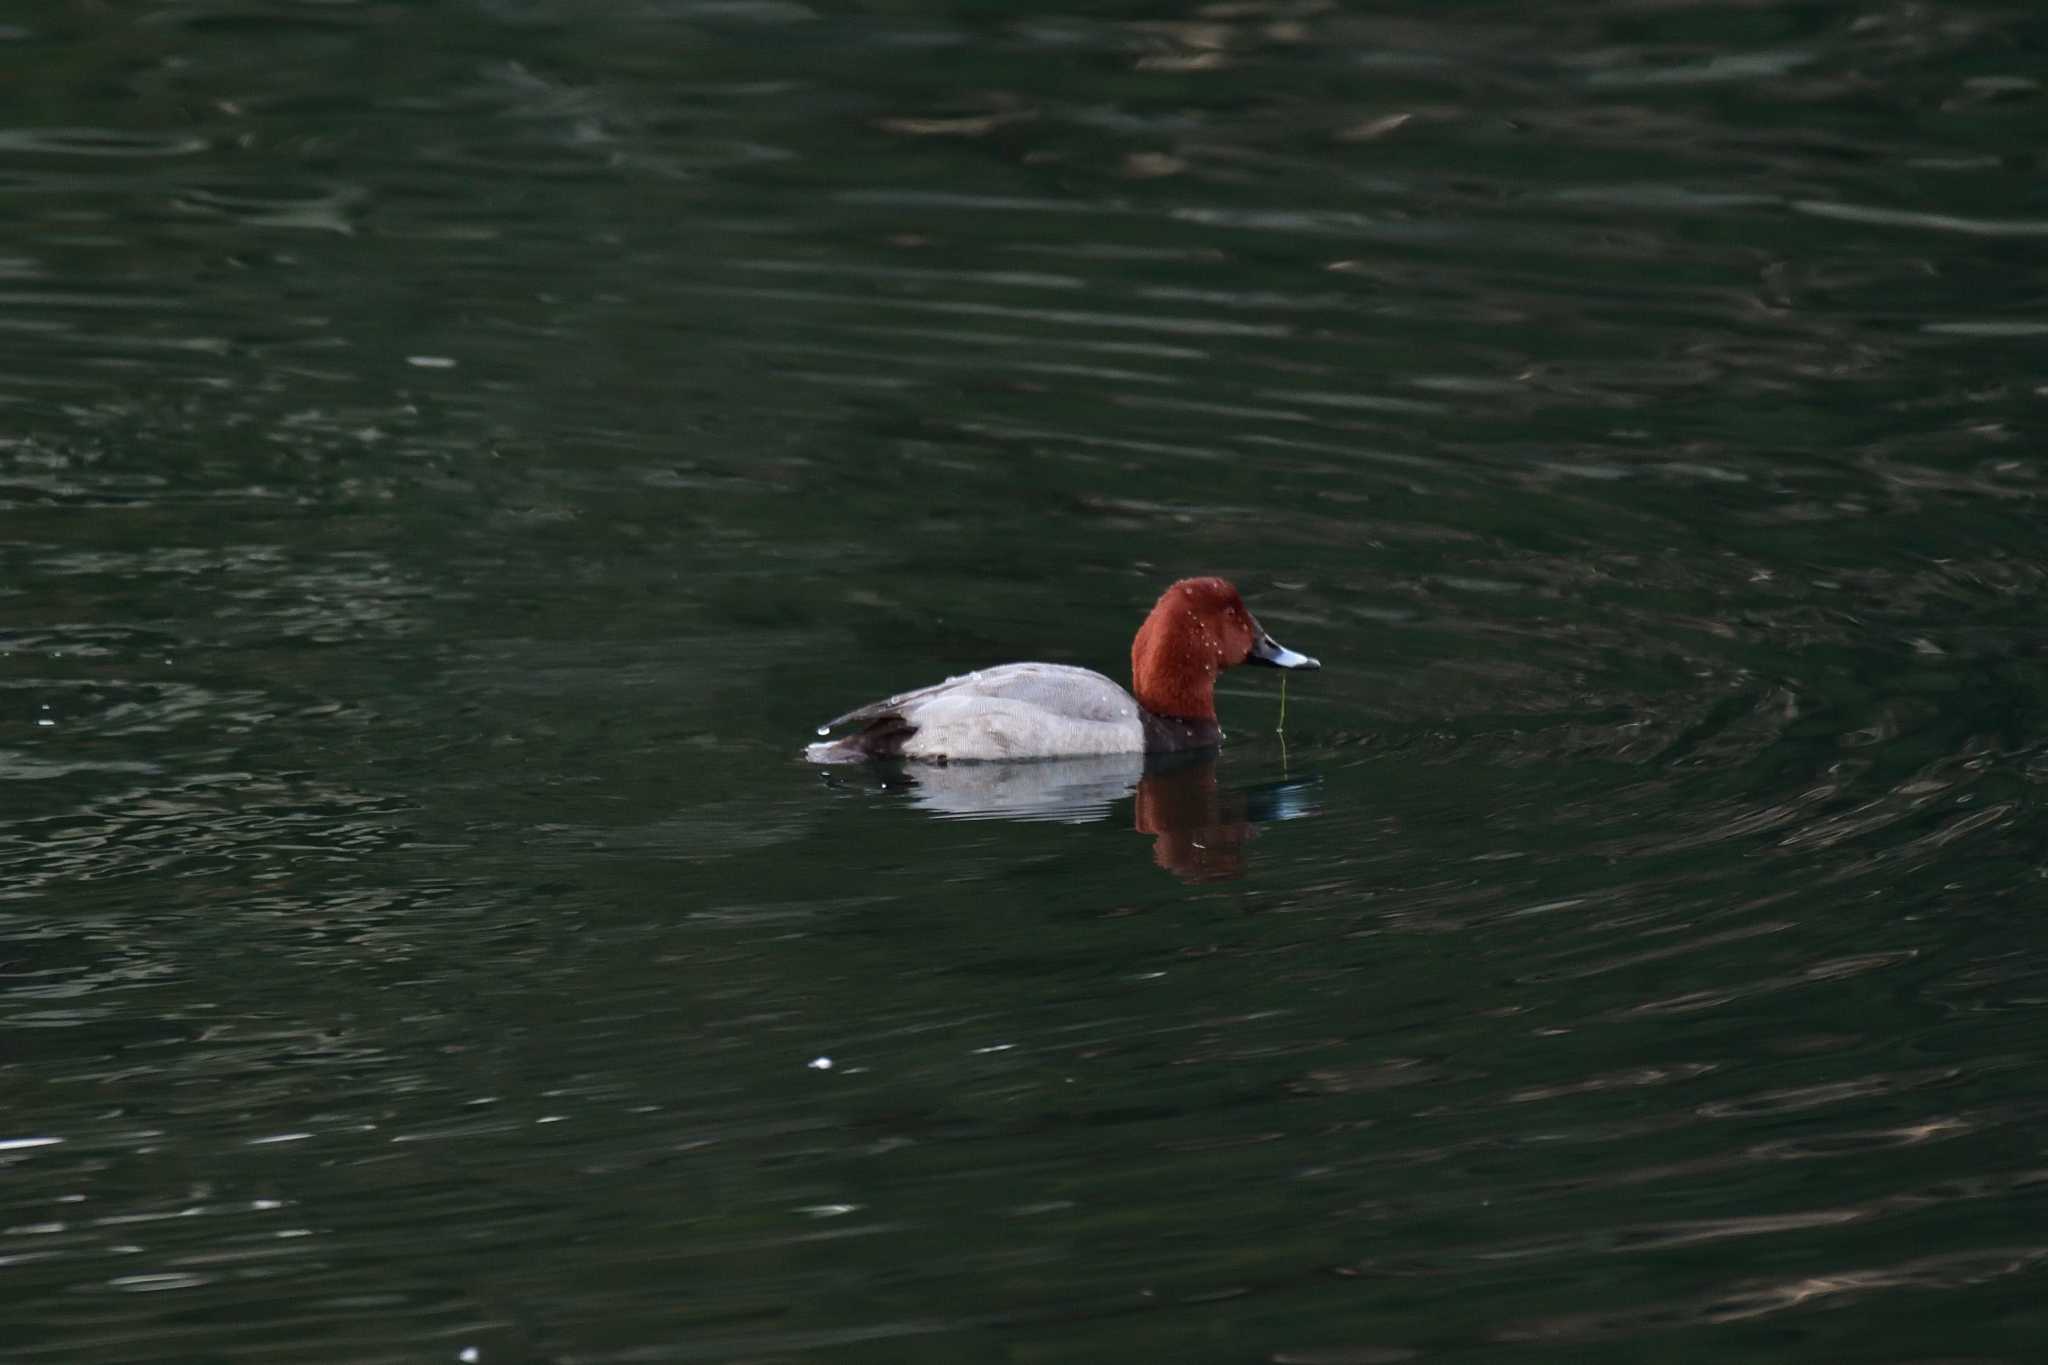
1199 834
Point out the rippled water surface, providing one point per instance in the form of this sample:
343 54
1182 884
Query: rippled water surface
451 456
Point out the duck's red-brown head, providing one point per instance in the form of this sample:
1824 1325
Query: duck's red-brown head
1198 628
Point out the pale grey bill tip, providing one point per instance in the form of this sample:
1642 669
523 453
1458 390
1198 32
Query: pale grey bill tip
1271 652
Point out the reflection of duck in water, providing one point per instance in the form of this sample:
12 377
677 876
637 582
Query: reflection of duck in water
1198 628
1074 791
1199 829
1198 836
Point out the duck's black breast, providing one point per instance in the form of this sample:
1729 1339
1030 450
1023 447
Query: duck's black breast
1171 734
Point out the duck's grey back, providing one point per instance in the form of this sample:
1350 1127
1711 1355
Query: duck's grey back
1027 710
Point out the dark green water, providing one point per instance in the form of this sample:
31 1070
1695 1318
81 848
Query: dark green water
451 455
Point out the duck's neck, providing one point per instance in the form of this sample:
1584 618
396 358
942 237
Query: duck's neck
1173 667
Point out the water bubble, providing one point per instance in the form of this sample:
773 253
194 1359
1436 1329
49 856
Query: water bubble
824 729
819 1064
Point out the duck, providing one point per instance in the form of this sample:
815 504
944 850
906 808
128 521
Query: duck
1198 628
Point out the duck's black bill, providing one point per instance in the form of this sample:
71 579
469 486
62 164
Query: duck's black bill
1273 654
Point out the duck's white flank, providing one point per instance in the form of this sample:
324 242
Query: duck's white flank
1013 711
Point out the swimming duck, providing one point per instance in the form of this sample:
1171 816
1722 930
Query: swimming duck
1198 628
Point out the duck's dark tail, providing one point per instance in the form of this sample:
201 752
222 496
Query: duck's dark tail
882 737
